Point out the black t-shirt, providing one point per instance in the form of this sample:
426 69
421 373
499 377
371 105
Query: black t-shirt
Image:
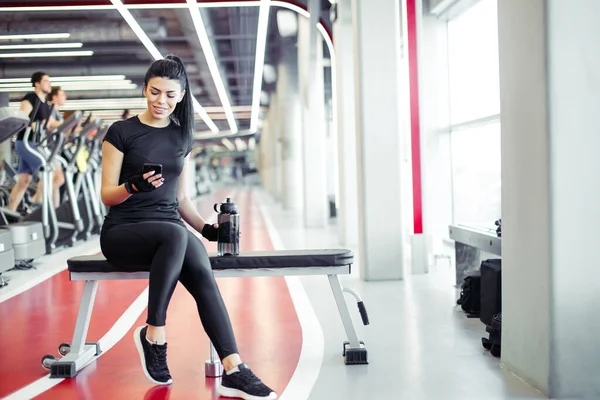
141 144
43 111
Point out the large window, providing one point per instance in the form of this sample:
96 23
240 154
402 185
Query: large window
476 174
474 114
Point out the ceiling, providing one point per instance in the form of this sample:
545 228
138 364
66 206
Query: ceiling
117 50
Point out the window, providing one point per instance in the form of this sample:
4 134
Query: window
476 174
474 94
473 63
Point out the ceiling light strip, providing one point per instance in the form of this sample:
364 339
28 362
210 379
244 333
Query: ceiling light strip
41 46
157 56
48 54
56 79
212 62
292 7
259 62
18 36
66 85
74 88
130 6
137 29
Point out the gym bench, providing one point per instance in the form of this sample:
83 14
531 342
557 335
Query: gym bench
93 269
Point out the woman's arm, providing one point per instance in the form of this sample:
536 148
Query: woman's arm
112 193
188 211
53 124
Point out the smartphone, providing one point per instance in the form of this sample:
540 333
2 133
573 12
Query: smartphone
157 168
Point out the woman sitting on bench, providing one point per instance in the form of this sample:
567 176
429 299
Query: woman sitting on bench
144 224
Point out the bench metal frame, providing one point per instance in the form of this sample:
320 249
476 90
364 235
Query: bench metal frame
82 353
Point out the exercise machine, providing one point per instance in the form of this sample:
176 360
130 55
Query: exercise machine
66 216
27 239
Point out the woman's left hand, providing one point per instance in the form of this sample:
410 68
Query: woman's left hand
210 232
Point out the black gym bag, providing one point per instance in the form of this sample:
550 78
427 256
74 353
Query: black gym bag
491 289
470 300
493 343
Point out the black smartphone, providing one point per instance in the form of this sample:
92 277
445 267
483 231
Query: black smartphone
157 168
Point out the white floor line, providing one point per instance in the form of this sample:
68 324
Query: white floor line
116 333
46 267
311 355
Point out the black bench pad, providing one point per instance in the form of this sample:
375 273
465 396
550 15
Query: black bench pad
247 260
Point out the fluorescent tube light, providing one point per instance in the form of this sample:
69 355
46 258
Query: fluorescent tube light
34 35
137 29
228 144
287 23
240 144
157 6
261 43
157 56
212 62
269 73
41 46
66 85
57 79
292 7
73 88
48 54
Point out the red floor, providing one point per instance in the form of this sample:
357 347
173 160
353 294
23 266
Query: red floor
262 313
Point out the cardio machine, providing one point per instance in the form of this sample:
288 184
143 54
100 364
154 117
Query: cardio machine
66 217
26 239
80 176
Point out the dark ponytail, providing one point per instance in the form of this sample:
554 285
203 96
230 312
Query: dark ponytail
171 67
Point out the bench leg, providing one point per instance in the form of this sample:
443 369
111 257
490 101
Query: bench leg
79 353
354 350
213 367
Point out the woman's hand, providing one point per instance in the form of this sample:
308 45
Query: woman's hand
211 232
146 182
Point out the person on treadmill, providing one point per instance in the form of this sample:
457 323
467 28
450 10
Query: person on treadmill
144 182
30 162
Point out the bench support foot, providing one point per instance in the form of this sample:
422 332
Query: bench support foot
69 365
354 350
213 367
355 356
79 353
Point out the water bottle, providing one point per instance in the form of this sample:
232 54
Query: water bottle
228 242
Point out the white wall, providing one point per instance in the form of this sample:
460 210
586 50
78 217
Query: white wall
550 76
574 103
525 188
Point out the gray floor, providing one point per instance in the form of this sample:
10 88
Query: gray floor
421 346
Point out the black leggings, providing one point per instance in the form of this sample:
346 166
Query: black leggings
173 253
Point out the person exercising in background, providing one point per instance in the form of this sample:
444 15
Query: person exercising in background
56 100
144 225
30 162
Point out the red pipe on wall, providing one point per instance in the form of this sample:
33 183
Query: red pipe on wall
415 129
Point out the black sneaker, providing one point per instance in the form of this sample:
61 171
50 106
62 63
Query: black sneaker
154 358
244 384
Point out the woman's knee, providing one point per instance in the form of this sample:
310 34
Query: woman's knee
174 233
196 258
